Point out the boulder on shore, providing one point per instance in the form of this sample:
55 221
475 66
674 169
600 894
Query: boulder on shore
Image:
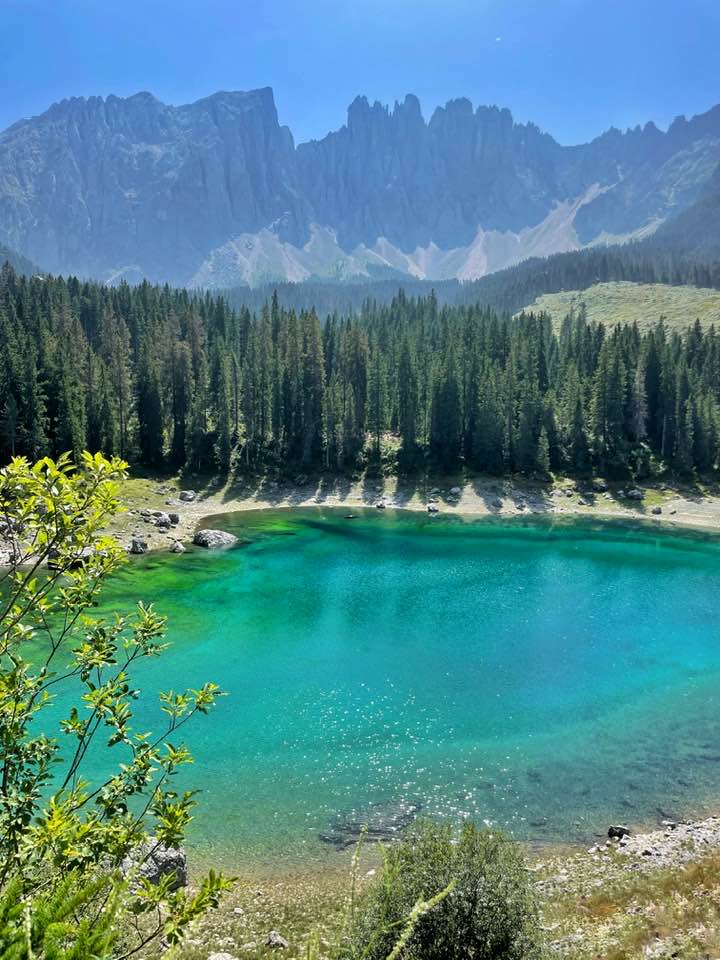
177 547
137 545
214 539
187 496
152 861
618 832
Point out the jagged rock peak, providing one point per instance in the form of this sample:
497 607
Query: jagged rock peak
217 191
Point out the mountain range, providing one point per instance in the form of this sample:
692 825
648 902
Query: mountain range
216 193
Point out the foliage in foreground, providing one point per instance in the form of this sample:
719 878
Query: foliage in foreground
64 838
441 897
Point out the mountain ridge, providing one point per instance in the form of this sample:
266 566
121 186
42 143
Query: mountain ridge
217 192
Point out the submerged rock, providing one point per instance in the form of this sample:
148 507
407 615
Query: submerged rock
214 539
379 822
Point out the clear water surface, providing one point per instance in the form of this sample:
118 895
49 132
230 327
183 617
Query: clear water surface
551 677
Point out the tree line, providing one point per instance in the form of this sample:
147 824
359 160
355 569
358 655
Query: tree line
171 379
505 290
646 261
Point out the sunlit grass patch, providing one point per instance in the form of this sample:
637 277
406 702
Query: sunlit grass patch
626 302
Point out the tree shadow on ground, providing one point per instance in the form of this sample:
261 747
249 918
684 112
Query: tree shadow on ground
525 495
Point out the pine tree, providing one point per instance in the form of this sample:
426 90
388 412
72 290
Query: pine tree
223 415
312 390
446 418
377 397
408 406
149 411
181 390
9 425
608 408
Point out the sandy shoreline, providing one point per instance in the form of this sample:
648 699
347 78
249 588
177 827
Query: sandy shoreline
683 507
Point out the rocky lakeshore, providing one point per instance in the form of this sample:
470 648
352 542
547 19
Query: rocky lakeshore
651 894
165 514
675 844
654 894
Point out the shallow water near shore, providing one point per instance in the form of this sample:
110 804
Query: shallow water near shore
550 677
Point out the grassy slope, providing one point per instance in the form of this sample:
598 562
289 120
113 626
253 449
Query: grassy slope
592 907
598 906
646 303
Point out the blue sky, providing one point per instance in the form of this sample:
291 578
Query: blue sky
574 67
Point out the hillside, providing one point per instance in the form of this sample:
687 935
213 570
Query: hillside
506 291
19 263
641 303
696 229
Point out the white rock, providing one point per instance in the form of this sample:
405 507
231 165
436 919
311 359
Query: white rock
214 539
275 941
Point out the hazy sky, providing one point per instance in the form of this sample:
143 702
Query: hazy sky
574 67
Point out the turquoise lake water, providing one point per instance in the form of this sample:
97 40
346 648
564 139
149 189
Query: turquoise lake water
548 677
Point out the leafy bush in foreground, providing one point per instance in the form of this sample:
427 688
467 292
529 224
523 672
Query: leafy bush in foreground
63 838
488 913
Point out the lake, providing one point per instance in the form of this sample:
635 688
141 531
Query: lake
550 677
